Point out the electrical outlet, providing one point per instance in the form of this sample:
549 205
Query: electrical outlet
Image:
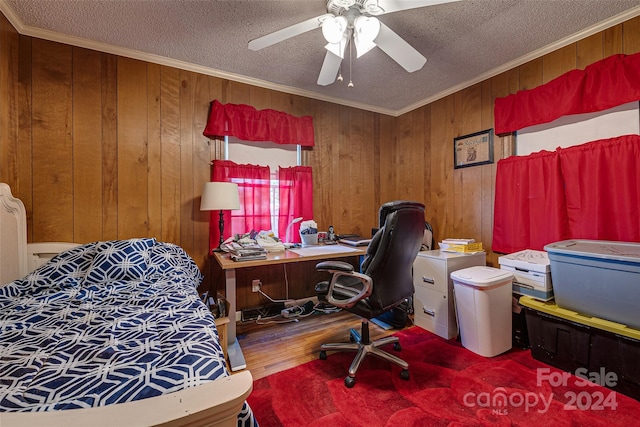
256 284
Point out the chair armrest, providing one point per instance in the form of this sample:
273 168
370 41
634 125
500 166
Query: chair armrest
334 265
355 293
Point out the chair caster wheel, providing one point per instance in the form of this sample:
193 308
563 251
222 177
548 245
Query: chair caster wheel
323 355
349 382
404 374
396 346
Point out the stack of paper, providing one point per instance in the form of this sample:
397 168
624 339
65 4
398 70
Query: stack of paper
247 251
466 246
248 254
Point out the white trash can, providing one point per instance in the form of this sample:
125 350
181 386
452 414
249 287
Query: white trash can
483 305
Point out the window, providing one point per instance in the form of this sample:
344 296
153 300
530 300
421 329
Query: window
576 129
265 154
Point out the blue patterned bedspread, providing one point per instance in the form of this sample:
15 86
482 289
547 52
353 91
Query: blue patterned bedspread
105 323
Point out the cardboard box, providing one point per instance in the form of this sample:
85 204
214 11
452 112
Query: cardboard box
597 278
531 271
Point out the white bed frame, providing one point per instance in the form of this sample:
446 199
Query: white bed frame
216 403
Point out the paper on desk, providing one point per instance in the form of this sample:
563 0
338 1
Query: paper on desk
322 250
308 224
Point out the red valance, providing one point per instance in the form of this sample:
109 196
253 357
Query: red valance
602 85
249 124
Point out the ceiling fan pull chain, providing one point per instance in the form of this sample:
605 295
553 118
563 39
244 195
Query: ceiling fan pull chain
350 81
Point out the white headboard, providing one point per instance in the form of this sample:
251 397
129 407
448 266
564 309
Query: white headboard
13 237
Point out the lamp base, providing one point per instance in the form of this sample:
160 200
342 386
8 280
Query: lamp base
221 227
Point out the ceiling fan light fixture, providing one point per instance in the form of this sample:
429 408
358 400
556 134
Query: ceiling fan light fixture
333 29
339 48
366 29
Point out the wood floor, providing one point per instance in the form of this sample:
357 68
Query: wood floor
276 347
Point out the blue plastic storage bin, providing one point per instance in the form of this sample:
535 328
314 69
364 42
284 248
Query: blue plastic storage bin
597 278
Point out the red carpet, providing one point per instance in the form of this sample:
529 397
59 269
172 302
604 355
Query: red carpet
449 386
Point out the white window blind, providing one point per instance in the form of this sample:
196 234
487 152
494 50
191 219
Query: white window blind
262 153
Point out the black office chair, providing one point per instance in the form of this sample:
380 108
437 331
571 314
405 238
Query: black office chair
385 282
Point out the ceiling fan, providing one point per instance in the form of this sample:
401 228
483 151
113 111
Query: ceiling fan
354 20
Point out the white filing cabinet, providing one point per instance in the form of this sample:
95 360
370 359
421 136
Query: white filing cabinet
433 301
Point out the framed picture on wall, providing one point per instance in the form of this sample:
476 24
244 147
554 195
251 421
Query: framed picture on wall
473 149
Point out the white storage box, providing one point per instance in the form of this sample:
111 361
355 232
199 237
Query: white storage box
531 273
597 278
483 305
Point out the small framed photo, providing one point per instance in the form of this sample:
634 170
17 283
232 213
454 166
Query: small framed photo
473 149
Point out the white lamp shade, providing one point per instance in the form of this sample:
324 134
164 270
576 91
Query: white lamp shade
219 196
334 28
366 30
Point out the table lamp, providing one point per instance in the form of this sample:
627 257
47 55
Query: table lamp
220 196
286 232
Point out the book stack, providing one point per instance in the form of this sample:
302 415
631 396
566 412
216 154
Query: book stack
465 246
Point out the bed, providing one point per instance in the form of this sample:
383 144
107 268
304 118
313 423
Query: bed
108 333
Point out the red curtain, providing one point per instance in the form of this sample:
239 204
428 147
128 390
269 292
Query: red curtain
296 200
590 191
613 81
249 124
603 189
529 209
255 209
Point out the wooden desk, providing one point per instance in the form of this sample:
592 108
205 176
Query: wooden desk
311 253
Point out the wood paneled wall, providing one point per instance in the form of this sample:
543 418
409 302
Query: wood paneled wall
100 147
460 202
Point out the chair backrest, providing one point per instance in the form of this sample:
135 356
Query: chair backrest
393 249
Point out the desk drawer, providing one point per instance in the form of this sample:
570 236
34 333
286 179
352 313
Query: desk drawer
429 273
433 313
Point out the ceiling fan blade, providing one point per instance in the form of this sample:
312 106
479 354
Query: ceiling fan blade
399 50
288 32
329 70
380 7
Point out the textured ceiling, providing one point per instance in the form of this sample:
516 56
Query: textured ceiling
464 42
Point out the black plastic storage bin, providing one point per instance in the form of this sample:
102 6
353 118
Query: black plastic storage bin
520 337
569 341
